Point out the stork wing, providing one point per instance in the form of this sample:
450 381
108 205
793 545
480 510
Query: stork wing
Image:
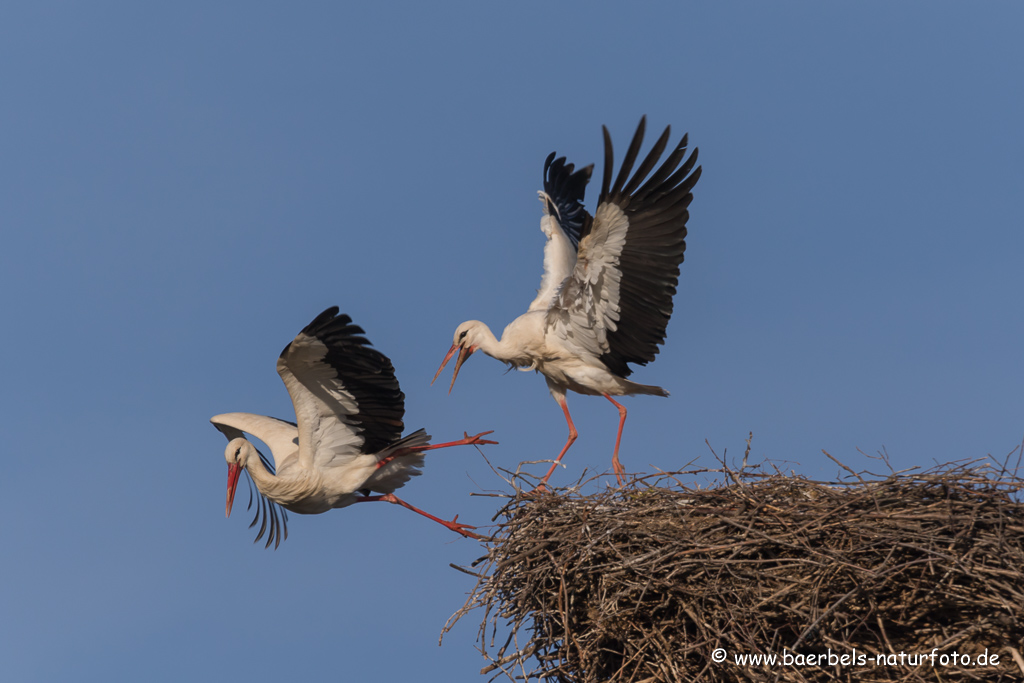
347 399
564 221
617 303
280 435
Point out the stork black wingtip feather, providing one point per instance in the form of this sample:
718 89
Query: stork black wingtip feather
609 162
631 154
649 162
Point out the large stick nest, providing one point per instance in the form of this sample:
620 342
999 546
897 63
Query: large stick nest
644 583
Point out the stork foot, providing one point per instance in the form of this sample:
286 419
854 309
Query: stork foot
476 440
619 470
463 529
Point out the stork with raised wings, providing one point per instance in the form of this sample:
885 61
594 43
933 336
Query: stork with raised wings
347 442
606 294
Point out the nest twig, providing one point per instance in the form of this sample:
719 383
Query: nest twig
645 583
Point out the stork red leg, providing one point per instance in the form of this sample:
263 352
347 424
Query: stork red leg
572 437
453 525
619 470
466 441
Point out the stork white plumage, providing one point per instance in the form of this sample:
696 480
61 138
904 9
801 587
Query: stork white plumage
606 294
347 441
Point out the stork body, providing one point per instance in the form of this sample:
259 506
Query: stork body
605 297
346 442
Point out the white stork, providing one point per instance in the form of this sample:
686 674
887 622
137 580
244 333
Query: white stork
348 440
606 294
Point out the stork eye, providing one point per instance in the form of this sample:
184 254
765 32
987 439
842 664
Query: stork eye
463 335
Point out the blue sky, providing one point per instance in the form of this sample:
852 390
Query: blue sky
184 187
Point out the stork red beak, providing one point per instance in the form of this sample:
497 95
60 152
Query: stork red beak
464 353
233 473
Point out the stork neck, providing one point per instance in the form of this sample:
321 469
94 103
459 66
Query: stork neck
501 349
519 344
261 476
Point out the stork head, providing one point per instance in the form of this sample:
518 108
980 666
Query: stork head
237 455
466 341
